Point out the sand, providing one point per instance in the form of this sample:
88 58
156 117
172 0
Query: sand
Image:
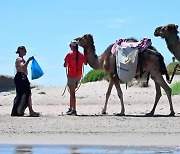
90 127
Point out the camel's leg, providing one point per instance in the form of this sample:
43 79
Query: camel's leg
167 89
120 95
111 83
168 93
158 95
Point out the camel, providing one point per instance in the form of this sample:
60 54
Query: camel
153 64
169 33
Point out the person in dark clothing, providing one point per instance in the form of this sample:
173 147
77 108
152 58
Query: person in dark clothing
23 90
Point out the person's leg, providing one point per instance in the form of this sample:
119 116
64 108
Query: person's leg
72 84
72 98
31 111
30 104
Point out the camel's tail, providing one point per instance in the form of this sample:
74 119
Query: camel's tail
161 62
163 67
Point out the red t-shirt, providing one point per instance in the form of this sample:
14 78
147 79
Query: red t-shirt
70 59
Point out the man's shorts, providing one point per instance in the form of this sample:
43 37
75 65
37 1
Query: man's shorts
73 82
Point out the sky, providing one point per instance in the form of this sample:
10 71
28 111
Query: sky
45 27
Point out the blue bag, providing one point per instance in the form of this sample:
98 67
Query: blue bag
36 71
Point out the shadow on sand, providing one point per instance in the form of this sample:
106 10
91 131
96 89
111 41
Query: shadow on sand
128 115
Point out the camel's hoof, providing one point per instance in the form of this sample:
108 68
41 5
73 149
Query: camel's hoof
149 114
172 114
119 114
103 111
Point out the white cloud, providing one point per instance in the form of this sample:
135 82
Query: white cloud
119 22
116 23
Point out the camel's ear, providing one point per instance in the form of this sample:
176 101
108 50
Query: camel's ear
89 35
177 26
85 35
91 38
172 27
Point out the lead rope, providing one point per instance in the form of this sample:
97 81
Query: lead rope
80 79
64 90
174 72
66 85
79 82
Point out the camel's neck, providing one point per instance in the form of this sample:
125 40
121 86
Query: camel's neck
173 45
171 41
93 60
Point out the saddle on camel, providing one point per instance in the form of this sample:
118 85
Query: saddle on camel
127 54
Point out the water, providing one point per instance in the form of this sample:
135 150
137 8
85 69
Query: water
85 149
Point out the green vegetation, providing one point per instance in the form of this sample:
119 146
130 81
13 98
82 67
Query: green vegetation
98 75
13 92
80 97
95 75
175 88
170 68
42 93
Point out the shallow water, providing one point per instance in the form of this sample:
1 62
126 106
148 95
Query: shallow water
85 149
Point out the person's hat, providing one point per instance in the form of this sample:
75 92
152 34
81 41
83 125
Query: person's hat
73 43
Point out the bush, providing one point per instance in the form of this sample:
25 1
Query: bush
175 88
95 75
42 92
170 68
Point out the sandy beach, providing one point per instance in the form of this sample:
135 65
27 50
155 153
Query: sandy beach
90 127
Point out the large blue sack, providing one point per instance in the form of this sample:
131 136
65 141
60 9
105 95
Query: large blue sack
36 71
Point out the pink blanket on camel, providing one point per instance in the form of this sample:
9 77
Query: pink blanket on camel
141 45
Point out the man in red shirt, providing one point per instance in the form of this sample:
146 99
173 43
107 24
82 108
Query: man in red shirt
74 61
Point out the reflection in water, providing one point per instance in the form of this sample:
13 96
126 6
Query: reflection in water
77 149
23 149
73 149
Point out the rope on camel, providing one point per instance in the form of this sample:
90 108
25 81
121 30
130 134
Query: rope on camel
174 72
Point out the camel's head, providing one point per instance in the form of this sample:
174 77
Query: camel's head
85 40
166 31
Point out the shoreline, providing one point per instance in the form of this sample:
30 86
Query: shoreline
86 149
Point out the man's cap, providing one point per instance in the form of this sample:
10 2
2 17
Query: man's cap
73 43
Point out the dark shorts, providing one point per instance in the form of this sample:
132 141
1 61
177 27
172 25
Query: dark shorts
73 82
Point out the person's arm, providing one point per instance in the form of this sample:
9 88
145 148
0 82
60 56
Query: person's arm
27 62
65 64
20 63
66 60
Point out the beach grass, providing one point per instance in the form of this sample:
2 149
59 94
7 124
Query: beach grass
170 68
95 75
175 88
42 93
80 97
